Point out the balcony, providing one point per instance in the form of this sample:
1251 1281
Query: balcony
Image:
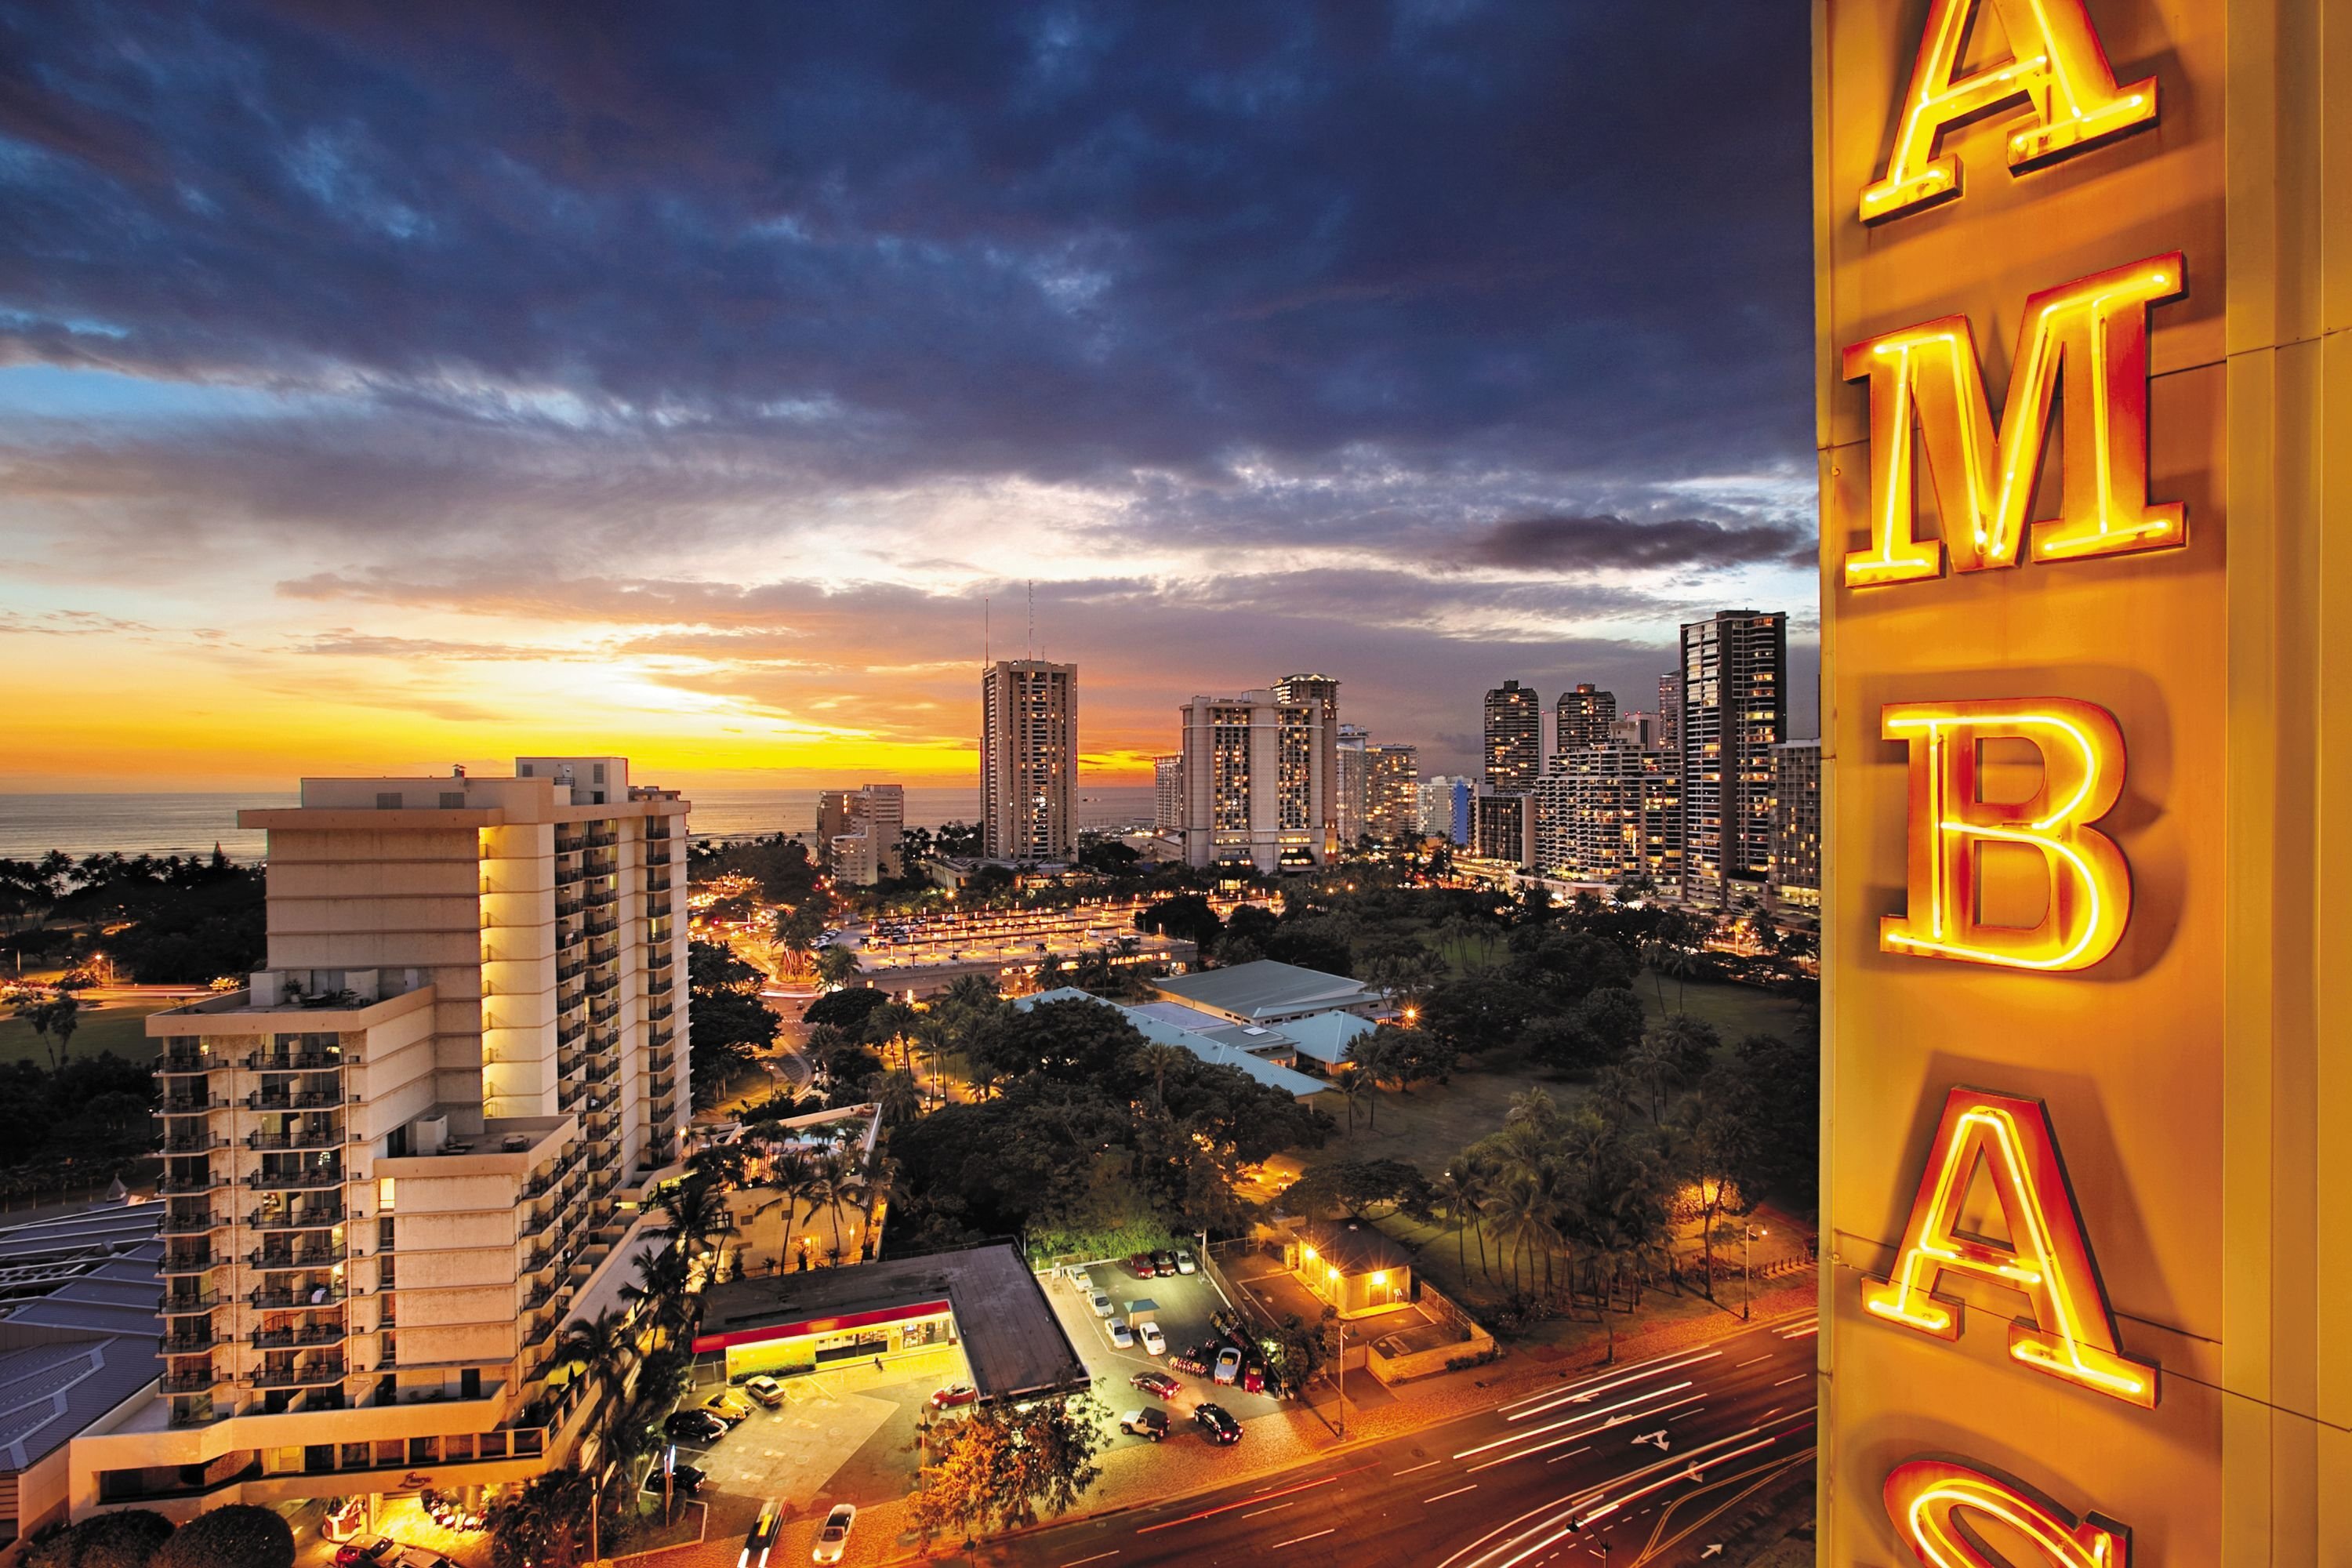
191 1104
657 851
178 1303
663 1109
196 1260
658 1059
307 1180
191 1181
602 925
605 839
294 1061
661 988
658 1038
567 907
658 959
565 973
656 884
190 1382
657 907
659 1012
541 1295
195 1343
192 1144
603 1015
297 1257
661 1086
567 875
604 1072
306 1100
188 1061
309 1374
288 1298
309 1334
191 1224
299 1138
311 1217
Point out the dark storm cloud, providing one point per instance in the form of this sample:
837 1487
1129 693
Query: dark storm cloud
1599 543
1562 239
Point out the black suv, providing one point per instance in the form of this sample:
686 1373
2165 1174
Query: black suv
1217 1425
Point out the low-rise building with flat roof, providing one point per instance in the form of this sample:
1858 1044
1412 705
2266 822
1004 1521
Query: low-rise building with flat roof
1270 993
1260 1053
1355 1268
983 1299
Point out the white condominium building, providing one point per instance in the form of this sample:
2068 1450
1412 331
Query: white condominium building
411 1149
858 832
1613 811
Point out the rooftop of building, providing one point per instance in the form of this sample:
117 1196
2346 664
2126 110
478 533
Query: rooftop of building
51 1393
1012 1336
1202 1044
541 789
335 997
79 1294
1353 1248
1263 989
1325 1036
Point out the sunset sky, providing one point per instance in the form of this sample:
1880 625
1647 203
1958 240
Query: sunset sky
388 386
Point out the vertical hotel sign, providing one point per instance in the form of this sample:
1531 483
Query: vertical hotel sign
2022 246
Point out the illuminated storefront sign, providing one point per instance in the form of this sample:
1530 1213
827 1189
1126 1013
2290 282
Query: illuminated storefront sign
2070 1333
1929 376
1929 1502
2082 752
2057 74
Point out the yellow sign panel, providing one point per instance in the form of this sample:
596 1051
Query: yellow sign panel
2084 439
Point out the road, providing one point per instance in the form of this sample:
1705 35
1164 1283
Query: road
1627 1465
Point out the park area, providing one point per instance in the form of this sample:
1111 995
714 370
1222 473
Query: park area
1429 1124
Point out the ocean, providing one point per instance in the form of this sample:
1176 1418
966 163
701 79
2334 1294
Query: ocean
32 825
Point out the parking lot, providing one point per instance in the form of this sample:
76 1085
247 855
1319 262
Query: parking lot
1183 1302
843 1434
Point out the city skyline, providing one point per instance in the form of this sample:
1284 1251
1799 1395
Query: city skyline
377 420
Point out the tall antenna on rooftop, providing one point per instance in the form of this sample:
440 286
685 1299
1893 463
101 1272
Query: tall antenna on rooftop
984 631
1033 617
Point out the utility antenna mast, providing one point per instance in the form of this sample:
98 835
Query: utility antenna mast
984 631
1033 617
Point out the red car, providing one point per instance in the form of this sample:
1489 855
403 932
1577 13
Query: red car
954 1394
365 1552
1142 1268
1156 1383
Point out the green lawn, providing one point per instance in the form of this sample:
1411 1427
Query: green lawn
117 1027
1432 1123
1735 1010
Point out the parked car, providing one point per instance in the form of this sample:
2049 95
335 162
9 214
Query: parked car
764 1389
366 1551
693 1427
1163 1263
954 1394
1217 1425
1156 1383
1142 1266
1184 1263
1229 1364
1147 1424
1100 1303
762 1536
1254 1380
835 1535
1154 1341
684 1479
727 1408
1120 1335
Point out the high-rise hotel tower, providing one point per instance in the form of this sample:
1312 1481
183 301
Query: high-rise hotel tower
1029 761
411 1149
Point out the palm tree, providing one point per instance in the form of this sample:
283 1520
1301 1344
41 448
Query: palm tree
1519 1218
1656 1062
889 1024
660 1285
1158 1056
1352 1088
602 1349
834 1178
699 1215
837 966
1368 1054
900 1097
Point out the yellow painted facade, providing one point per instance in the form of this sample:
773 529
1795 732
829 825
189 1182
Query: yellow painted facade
2193 1077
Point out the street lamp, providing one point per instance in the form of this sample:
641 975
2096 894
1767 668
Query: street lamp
1748 1233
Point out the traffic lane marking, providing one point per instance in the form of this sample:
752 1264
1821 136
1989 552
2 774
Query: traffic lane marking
1295 1540
1457 1491
1248 1502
